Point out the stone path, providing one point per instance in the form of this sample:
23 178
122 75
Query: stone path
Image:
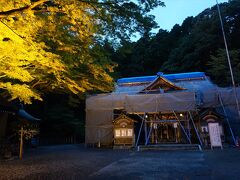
77 162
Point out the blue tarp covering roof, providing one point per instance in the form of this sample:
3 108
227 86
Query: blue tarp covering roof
136 79
170 77
182 76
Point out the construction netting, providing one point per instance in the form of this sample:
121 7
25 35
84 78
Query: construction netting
100 108
179 101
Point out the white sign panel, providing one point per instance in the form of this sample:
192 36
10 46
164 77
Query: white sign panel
214 133
175 125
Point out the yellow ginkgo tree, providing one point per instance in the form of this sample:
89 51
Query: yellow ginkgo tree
57 45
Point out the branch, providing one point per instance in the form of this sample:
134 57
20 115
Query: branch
38 82
3 76
33 5
96 2
21 9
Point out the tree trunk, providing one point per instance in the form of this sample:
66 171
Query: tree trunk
3 124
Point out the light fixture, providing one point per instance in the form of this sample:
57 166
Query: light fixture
181 115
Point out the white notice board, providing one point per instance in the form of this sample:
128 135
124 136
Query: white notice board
214 133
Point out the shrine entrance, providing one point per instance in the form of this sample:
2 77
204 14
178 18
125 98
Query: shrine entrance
165 132
167 128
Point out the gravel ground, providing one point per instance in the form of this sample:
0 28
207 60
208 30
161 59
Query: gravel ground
77 162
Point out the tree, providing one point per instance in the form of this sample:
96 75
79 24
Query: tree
24 65
56 45
219 69
204 38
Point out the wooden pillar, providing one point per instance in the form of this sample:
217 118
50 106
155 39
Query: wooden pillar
99 138
145 129
21 144
176 136
167 132
153 134
161 130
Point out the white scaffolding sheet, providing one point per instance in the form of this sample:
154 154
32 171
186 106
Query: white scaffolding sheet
99 108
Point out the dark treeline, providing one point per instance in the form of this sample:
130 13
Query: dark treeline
196 45
62 119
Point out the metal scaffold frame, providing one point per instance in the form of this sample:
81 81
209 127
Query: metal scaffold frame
148 127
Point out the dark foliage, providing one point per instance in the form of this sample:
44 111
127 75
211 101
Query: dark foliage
62 119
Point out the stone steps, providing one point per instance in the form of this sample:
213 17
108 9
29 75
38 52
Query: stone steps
123 147
169 147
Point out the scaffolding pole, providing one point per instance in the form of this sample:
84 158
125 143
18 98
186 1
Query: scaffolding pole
182 127
149 134
139 133
200 141
189 132
226 117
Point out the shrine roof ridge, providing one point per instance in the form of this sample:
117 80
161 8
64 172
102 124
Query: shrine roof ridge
170 77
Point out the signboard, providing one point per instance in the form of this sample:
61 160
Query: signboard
215 136
175 125
119 133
